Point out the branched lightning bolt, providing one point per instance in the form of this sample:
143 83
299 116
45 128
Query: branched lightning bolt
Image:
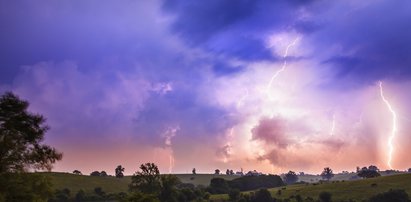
284 63
394 127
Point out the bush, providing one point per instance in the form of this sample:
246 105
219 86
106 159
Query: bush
396 195
218 186
24 187
324 197
247 183
262 195
234 195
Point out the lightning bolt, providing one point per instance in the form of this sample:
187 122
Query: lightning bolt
284 63
394 126
240 102
332 126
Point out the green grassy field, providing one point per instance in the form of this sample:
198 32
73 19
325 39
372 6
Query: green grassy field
342 190
115 185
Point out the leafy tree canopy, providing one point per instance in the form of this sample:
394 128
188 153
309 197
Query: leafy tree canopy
21 133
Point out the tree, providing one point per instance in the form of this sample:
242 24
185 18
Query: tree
373 168
95 173
21 133
168 188
217 172
103 174
291 177
327 173
409 170
119 171
194 171
227 172
368 173
147 180
77 172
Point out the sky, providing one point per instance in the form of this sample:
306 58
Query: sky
262 85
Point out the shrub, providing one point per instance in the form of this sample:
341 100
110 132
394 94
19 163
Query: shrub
218 186
255 182
324 197
396 195
262 195
234 195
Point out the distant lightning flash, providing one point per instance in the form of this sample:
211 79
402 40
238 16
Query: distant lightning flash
284 63
332 126
394 126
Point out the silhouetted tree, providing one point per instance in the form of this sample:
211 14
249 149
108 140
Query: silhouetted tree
409 170
373 168
169 191
327 173
194 171
231 172
21 133
103 174
291 177
227 172
147 180
217 172
77 172
95 173
368 173
119 171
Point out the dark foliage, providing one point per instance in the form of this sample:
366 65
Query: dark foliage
119 171
147 180
327 173
218 186
262 195
24 187
103 174
246 183
324 197
396 195
291 177
20 135
95 173
234 195
368 173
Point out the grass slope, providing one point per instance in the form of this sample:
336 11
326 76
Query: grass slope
343 191
116 185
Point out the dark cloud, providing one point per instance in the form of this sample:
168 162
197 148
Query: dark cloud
373 40
231 29
90 33
272 131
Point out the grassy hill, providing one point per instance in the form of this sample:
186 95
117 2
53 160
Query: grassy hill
342 190
115 185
